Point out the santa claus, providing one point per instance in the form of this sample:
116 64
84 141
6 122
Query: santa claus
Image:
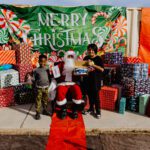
67 85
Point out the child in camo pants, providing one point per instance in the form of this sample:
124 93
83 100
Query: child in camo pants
42 81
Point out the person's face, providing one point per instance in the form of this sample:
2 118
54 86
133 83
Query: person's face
70 57
43 62
91 52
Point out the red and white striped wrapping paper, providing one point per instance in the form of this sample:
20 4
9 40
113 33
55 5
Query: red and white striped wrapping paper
7 57
133 60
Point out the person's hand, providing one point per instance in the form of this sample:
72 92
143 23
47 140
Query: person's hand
90 63
90 69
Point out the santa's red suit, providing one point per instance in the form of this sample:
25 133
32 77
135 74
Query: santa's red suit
66 84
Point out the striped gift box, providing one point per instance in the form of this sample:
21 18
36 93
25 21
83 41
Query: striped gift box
7 57
143 101
6 97
9 78
23 53
132 60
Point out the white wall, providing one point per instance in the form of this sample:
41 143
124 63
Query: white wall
133 31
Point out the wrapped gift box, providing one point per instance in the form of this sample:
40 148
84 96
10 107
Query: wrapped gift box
119 88
142 86
135 71
144 71
133 104
122 105
8 78
110 75
7 57
25 97
23 70
6 97
133 60
108 97
81 64
128 86
133 87
131 70
80 71
148 108
114 58
143 101
23 94
23 53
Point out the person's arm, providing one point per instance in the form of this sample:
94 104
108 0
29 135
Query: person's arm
99 66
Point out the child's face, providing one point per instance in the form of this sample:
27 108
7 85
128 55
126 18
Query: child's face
91 52
43 62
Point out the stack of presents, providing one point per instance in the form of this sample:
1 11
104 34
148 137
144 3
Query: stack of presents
126 84
15 64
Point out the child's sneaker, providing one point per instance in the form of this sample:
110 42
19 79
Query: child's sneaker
37 116
98 114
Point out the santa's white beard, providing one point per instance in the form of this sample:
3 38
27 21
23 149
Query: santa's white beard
69 65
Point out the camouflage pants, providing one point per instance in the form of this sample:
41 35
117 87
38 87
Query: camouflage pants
41 99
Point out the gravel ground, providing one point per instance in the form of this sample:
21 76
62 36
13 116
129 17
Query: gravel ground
103 141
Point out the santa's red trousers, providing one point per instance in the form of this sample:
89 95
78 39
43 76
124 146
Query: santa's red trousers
62 91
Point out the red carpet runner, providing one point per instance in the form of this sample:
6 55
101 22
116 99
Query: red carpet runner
67 134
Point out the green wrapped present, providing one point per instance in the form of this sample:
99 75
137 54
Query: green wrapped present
143 103
122 105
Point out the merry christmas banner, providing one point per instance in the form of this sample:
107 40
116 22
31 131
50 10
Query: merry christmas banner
57 29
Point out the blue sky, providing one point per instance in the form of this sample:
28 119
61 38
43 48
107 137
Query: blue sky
126 3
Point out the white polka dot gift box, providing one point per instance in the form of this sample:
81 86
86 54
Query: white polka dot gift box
9 78
23 53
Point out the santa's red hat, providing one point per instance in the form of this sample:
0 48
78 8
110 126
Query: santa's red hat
70 52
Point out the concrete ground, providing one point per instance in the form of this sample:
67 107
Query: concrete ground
20 119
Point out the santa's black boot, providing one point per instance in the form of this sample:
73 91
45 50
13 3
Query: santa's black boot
75 111
63 112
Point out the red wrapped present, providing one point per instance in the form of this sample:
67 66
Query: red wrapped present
23 53
23 70
108 97
6 97
7 57
133 60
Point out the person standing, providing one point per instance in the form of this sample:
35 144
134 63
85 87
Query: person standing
42 81
92 82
